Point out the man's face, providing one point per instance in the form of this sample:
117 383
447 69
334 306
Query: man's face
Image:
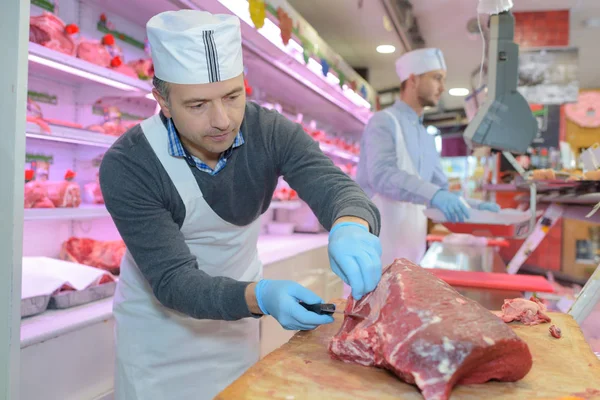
430 87
207 116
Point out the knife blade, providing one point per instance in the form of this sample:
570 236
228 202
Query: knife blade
327 309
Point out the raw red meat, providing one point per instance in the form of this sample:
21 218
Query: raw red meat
143 67
96 128
49 31
126 69
428 334
555 331
64 193
36 195
529 312
41 123
104 255
93 51
93 191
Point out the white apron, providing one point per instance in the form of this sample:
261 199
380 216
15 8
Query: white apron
403 225
163 354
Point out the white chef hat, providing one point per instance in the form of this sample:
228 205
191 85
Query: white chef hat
191 47
418 62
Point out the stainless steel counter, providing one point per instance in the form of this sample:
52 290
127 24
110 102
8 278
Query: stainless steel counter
471 258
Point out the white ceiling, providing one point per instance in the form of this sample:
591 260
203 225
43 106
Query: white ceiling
355 32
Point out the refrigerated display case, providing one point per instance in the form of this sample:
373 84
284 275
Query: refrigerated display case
77 106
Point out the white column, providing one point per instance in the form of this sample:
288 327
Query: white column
14 36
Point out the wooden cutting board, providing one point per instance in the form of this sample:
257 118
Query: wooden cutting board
302 369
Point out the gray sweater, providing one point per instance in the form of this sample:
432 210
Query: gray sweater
148 211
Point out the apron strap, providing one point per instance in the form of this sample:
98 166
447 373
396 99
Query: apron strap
177 168
405 162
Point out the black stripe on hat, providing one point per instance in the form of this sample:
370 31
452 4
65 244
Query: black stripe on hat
211 59
216 56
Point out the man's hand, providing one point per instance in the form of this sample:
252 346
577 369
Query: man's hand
280 299
450 204
493 207
355 255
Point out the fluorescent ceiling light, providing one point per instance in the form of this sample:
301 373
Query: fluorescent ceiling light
84 74
459 92
386 49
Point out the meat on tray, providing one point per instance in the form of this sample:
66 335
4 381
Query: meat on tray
143 67
36 196
429 335
529 312
94 51
64 193
48 30
51 194
126 69
104 255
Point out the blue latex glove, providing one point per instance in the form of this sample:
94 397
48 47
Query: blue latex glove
355 256
454 210
280 299
493 207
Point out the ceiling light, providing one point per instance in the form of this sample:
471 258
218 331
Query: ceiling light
432 130
459 92
386 49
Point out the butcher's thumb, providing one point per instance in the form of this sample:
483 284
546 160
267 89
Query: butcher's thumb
303 294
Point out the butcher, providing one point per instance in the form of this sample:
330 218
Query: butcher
185 189
399 166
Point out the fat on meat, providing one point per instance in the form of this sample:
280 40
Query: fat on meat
94 51
48 30
429 335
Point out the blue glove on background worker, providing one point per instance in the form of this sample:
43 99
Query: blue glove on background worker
280 299
493 207
454 209
355 256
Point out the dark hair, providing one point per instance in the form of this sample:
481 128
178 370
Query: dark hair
403 85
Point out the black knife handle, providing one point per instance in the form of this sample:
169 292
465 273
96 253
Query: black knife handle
324 308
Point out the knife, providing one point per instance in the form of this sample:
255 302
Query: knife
327 309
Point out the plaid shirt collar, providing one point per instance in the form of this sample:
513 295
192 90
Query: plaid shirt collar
176 149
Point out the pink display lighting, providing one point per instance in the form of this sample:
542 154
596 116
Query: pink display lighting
83 74
272 33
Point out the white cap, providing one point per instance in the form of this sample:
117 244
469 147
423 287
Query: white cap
191 47
418 62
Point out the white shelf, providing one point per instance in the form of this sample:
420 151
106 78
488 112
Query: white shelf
65 67
286 205
53 323
84 211
70 135
334 151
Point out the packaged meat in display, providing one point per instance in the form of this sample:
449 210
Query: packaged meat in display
93 193
104 255
50 31
285 194
143 68
429 335
36 195
66 194
94 51
113 124
124 69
